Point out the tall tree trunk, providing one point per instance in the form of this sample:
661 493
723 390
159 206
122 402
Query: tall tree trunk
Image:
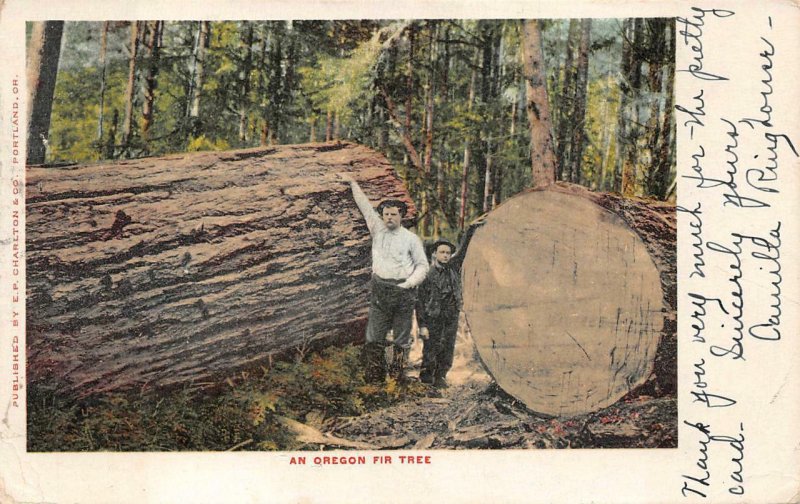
262 82
601 177
203 37
388 69
383 131
244 85
368 118
100 116
44 50
151 81
488 181
492 164
444 150
410 89
264 137
630 163
445 68
336 125
624 93
565 108
497 185
288 84
487 45
329 126
512 129
543 162
441 191
579 103
655 66
467 146
273 112
111 142
665 152
130 93
430 91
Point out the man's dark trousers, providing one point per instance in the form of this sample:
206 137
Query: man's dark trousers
438 349
390 308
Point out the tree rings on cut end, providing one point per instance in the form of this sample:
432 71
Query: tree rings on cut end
563 302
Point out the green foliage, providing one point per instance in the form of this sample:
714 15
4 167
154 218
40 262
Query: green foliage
602 109
336 82
244 413
76 107
202 143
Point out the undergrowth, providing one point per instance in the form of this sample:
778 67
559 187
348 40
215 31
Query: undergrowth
243 414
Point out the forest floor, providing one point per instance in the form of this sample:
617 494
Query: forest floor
473 412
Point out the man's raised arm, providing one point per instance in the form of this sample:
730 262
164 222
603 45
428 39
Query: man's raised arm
362 201
458 258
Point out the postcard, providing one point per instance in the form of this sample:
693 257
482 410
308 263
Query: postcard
396 252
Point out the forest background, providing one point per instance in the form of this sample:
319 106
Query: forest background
444 100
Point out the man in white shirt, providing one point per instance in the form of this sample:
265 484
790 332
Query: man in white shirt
399 264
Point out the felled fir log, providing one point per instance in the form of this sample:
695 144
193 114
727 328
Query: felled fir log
186 268
570 297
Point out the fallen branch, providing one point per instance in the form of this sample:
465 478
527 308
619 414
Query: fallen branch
240 445
310 435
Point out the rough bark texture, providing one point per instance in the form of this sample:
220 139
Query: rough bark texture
542 157
189 267
587 313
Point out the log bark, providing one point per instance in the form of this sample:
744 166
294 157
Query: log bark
189 267
587 312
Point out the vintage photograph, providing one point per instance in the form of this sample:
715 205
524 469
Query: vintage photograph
366 234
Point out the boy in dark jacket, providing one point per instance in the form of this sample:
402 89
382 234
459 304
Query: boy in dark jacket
439 303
